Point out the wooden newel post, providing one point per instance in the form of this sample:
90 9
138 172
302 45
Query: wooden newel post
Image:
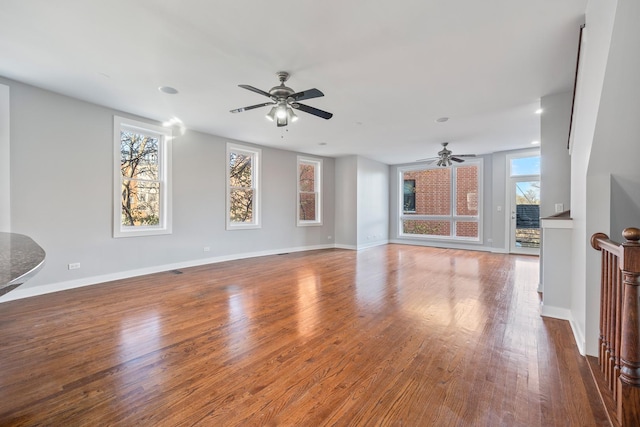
629 380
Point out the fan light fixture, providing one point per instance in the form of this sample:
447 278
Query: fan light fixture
271 115
293 117
282 114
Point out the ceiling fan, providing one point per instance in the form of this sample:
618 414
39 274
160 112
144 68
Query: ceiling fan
284 100
445 156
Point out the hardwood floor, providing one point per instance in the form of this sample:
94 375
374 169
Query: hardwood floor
392 335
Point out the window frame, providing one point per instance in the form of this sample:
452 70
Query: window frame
164 135
256 158
453 217
317 163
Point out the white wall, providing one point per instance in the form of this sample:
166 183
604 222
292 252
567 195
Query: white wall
595 52
373 203
555 162
362 202
5 164
617 130
61 185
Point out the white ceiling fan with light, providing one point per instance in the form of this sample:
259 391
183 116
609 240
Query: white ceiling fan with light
445 156
284 100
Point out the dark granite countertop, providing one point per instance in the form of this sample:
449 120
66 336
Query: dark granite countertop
20 258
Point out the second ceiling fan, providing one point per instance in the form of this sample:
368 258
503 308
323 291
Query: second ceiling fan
284 100
445 156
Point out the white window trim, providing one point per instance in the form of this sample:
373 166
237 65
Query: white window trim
164 135
454 218
256 154
318 190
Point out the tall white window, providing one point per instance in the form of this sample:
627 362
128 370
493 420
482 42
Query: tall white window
441 202
243 187
309 191
142 178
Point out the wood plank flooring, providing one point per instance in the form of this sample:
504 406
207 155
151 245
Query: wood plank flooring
393 335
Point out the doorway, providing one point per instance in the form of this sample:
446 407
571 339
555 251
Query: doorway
524 204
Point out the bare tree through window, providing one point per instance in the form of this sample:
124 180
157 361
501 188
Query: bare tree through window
140 179
241 187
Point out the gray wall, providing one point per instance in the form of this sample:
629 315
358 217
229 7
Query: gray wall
625 204
555 162
499 204
346 212
61 195
5 164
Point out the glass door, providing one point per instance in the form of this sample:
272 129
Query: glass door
525 216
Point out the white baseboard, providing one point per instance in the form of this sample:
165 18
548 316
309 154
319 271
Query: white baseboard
373 244
20 293
578 335
555 312
565 314
350 247
441 245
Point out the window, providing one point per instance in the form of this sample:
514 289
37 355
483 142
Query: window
409 204
243 189
441 203
309 191
142 178
527 164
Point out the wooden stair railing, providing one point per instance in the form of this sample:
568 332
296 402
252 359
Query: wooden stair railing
619 341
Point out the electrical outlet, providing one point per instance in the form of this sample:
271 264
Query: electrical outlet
328 237
74 266
559 207
206 249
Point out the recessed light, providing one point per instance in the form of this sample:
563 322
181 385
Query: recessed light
442 119
172 122
535 142
539 111
168 90
322 143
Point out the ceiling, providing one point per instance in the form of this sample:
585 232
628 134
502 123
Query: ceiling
388 69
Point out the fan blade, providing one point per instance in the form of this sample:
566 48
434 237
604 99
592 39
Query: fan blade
316 112
306 94
240 110
456 159
465 155
256 90
428 159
